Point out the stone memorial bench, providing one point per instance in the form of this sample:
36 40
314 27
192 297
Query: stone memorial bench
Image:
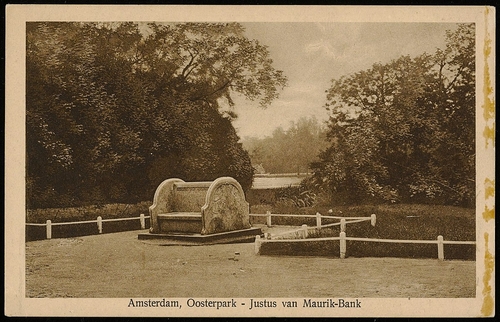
204 208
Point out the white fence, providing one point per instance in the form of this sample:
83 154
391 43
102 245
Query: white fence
298 235
302 233
99 221
343 242
318 217
304 229
49 224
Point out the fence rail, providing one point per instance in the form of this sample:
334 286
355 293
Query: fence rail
99 221
302 216
49 224
343 242
303 231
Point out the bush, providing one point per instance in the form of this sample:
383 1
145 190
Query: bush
78 214
87 212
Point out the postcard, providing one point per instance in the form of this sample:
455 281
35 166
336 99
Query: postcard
249 161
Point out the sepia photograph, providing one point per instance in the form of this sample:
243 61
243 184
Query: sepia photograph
329 161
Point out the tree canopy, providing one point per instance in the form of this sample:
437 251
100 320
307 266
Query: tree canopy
113 109
405 130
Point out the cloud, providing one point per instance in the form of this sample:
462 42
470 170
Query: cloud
302 88
321 46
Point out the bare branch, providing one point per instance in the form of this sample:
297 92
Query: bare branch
190 66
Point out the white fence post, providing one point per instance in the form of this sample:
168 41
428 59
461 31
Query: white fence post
342 224
374 219
268 218
99 224
304 231
318 220
258 242
143 221
343 244
49 229
440 247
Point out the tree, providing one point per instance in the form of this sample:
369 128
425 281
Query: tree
207 62
112 108
396 128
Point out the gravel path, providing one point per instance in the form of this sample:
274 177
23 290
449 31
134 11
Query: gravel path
119 266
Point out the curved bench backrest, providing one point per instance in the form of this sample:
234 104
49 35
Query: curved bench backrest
161 202
225 207
189 196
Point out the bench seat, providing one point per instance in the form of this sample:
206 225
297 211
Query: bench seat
180 222
180 216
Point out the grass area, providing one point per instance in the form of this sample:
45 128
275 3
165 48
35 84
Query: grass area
367 249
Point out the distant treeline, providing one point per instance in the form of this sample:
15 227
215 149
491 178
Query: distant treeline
288 151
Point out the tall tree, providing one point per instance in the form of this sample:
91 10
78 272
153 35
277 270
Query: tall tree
113 108
396 128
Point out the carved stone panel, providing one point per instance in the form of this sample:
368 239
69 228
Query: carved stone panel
226 208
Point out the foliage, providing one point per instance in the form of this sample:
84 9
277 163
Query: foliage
83 213
405 130
298 196
288 151
112 109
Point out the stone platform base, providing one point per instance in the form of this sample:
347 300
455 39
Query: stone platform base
230 237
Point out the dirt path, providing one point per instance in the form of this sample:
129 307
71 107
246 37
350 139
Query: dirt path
119 265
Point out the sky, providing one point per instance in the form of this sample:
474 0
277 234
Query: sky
312 54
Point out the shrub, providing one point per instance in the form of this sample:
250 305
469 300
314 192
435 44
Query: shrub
87 212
